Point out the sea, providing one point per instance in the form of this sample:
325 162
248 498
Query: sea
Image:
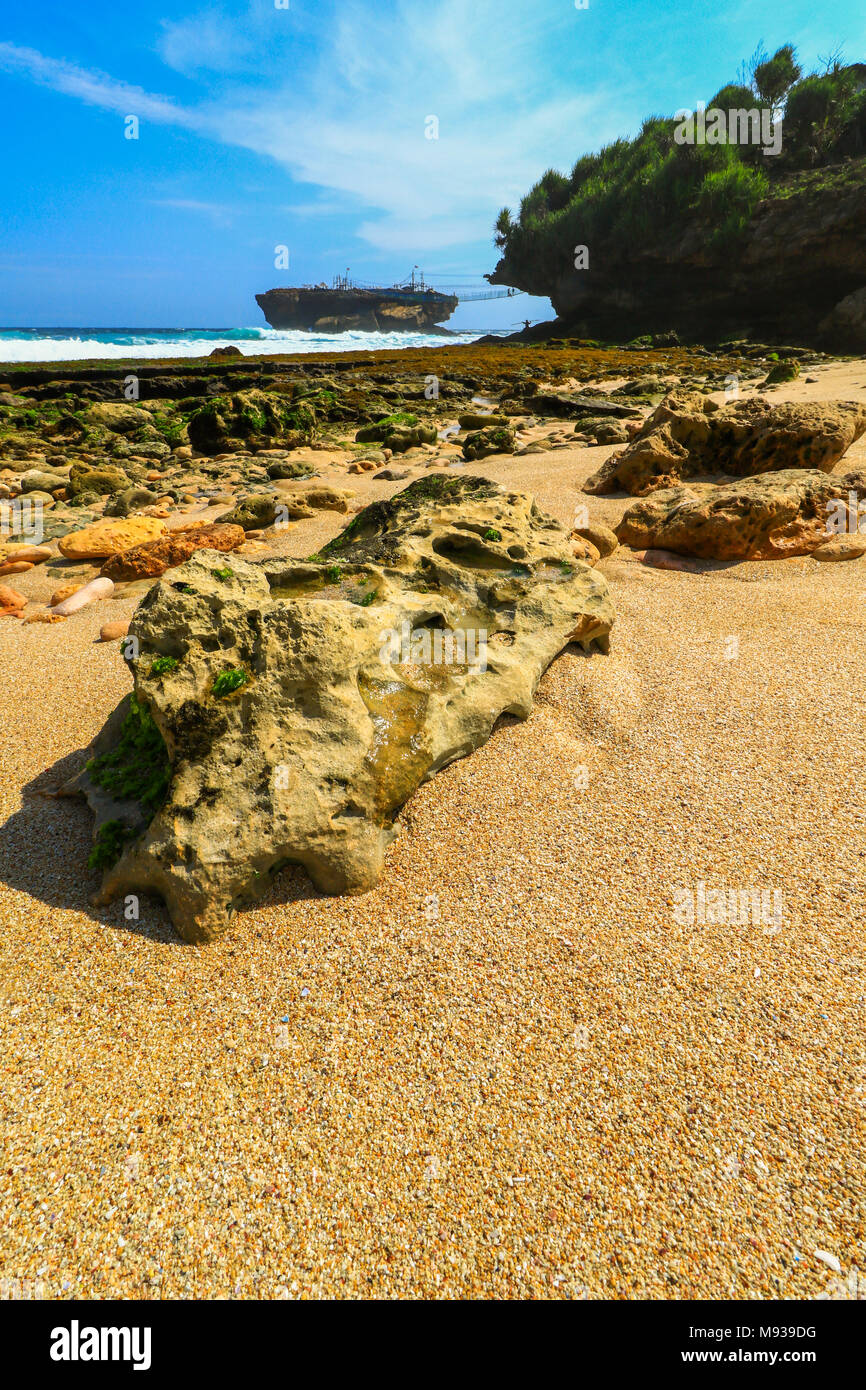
85 344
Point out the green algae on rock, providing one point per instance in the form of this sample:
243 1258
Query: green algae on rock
251 416
782 372
125 781
136 767
497 440
227 682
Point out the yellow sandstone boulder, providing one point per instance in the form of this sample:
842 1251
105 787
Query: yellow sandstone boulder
18 551
109 537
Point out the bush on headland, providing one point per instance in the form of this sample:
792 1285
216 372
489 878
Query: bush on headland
634 192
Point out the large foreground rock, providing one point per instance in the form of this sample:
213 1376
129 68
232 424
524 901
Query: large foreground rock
771 517
688 434
301 703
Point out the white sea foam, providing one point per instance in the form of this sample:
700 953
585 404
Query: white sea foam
75 345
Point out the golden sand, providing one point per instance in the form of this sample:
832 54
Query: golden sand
509 1071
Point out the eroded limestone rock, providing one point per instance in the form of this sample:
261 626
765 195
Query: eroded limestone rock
689 434
120 417
301 703
770 517
104 538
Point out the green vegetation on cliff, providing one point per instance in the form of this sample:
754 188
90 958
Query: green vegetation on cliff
637 192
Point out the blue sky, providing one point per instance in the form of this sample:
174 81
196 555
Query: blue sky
305 126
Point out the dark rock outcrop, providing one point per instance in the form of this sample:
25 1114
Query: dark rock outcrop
367 311
798 273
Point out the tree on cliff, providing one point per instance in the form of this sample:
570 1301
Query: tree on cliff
774 77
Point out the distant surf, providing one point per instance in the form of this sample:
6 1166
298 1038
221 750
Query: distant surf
84 344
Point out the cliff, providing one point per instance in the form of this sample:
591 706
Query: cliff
803 253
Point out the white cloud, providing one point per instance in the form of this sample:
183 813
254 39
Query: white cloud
204 41
94 88
322 207
351 119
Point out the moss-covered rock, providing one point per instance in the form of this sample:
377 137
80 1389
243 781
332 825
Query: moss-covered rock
38 495
288 468
130 500
106 479
137 767
398 423
788 370
298 731
398 441
149 445
474 420
480 443
39 480
127 780
254 511
372 534
250 416
121 417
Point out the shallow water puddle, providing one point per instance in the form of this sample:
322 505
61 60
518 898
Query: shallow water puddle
360 590
398 755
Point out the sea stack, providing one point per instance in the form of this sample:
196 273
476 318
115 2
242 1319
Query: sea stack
324 310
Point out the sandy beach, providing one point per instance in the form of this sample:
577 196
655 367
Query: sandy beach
509 1071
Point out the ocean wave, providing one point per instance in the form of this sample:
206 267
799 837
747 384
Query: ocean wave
85 344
